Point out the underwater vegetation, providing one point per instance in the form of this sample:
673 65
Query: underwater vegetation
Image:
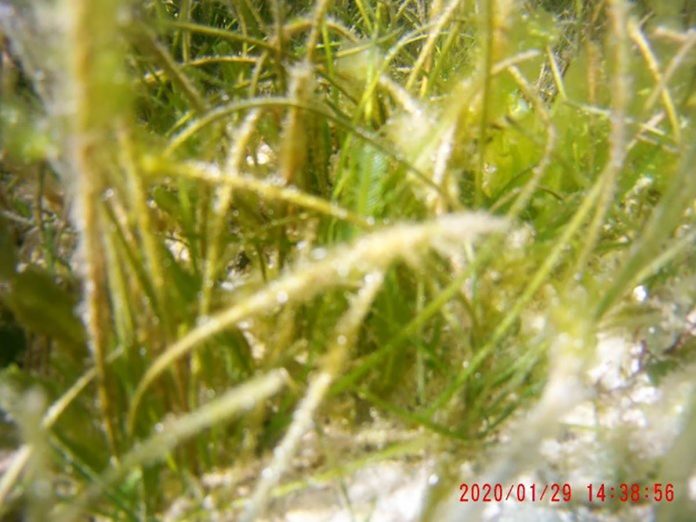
238 236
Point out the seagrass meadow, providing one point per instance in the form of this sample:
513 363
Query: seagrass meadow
251 249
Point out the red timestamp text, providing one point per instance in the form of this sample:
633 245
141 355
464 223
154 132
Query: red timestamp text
486 492
631 492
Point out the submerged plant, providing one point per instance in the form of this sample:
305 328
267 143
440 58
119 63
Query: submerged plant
229 227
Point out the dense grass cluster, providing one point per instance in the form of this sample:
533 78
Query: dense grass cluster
227 224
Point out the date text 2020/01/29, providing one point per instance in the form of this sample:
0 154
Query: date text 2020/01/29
563 492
